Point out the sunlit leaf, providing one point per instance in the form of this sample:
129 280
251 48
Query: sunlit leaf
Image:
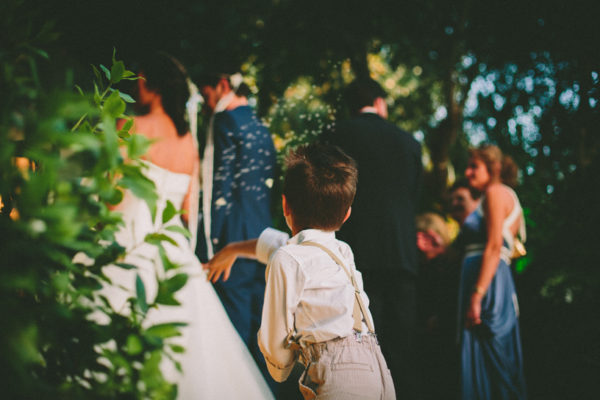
154 238
116 72
137 145
106 71
127 98
134 345
179 229
166 330
114 106
169 212
177 349
166 261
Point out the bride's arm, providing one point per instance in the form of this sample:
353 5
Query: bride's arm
190 202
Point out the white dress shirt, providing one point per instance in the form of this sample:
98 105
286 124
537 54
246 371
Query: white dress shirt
307 294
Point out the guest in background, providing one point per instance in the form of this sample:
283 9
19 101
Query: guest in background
381 231
436 308
463 200
491 364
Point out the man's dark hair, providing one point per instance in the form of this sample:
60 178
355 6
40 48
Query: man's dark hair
362 92
319 186
212 79
209 79
464 183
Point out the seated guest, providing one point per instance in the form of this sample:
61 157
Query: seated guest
436 296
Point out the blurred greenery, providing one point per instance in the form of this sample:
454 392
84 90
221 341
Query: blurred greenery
524 75
62 166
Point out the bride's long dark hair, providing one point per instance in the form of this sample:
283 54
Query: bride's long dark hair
165 75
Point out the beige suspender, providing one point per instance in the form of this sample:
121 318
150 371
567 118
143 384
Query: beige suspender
360 310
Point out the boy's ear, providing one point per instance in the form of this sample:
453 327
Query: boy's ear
381 107
347 214
285 206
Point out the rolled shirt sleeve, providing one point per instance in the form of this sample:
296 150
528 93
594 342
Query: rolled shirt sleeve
268 242
285 282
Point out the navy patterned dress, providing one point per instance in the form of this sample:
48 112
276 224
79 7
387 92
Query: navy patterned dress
491 365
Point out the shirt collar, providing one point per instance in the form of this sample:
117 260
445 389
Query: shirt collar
313 235
368 110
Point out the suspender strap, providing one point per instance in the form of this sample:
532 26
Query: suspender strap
360 310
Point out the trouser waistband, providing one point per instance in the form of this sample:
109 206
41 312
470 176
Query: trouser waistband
313 351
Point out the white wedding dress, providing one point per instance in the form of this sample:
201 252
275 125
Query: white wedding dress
216 363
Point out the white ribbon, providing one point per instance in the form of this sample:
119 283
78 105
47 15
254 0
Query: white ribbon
192 110
207 171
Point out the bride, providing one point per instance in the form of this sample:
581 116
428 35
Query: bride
216 363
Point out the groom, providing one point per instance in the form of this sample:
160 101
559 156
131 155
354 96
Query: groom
237 175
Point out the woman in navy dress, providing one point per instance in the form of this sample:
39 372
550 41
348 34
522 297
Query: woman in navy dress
490 344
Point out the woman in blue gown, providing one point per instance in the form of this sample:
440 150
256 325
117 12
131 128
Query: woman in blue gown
490 346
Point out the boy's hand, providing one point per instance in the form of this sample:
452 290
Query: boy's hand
221 264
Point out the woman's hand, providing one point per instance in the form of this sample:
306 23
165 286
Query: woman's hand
221 263
473 316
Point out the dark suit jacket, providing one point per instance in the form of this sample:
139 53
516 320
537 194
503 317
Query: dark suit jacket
381 228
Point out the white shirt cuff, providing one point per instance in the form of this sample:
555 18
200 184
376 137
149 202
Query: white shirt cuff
268 242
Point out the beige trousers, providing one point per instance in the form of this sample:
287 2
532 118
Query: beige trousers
346 368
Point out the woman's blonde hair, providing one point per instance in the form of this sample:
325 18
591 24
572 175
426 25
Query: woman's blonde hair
499 166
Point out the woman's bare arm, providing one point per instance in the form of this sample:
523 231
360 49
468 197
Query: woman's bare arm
222 262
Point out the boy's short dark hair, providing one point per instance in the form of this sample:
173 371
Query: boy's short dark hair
362 92
319 186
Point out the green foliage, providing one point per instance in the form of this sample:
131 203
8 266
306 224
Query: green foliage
63 163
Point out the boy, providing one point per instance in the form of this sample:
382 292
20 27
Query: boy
315 310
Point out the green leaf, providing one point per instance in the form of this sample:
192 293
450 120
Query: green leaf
175 283
179 229
79 90
127 98
137 145
169 212
97 97
155 238
106 71
111 142
96 73
166 261
139 185
134 345
114 106
126 265
116 72
127 125
162 297
41 52
128 74
177 349
140 293
78 123
167 330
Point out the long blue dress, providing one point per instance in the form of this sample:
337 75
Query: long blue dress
491 363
